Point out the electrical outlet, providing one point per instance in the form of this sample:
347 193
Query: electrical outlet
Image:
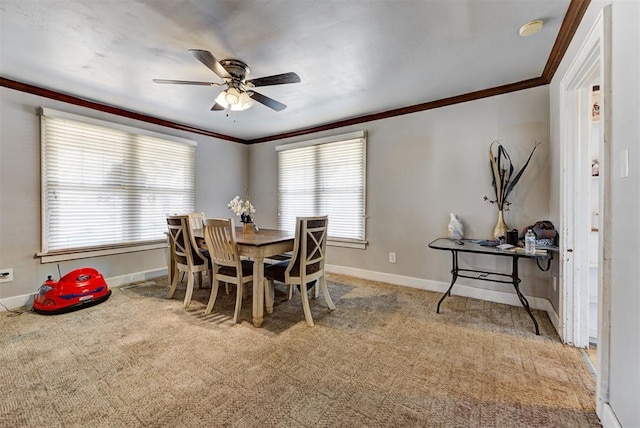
6 275
392 257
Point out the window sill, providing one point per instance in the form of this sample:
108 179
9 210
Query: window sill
59 256
360 245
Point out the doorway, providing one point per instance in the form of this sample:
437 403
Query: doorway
594 229
585 204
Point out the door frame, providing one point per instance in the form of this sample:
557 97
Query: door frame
592 61
574 153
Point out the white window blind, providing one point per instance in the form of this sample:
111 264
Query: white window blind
109 185
325 176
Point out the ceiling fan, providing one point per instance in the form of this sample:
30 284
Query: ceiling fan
239 94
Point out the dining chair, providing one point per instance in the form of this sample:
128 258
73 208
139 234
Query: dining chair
306 265
188 258
172 269
196 220
227 266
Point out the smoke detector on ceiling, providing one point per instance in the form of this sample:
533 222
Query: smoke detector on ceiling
531 28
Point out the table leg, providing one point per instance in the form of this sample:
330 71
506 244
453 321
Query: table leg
523 300
454 277
258 291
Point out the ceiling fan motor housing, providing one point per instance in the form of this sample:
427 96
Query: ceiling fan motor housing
236 68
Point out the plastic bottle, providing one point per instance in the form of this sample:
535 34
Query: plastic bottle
529 242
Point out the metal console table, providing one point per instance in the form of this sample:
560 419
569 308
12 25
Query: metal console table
468 246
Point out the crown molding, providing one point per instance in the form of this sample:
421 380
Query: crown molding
484 93
570 23
106 108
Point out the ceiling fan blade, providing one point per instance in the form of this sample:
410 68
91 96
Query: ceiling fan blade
186 82
269 102
277 79
210 61
217 107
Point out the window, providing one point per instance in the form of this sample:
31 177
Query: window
106 185
325 176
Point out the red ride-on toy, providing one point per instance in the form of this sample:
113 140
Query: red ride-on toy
78 289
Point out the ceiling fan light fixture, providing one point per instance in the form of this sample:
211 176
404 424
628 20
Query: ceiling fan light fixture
243 104
222 99
531 28
241 100
245 101
232 96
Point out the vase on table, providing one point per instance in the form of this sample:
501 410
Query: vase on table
247 223
500 230
247 228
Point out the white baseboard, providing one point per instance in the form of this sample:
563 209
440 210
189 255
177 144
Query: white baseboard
609 419
440 287
554 317
15 302
116 281
406 281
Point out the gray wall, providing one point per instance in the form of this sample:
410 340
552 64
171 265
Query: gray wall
220 174
625 256
424 165
624 329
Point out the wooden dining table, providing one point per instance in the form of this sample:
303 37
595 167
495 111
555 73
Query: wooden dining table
258 246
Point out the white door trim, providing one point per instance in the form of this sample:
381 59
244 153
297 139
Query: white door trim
604 248
592 62
574 154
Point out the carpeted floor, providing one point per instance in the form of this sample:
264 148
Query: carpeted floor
383 358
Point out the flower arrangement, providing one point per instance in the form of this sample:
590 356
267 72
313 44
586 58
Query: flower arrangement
502 171
242 208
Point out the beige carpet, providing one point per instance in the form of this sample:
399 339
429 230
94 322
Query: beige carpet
383 358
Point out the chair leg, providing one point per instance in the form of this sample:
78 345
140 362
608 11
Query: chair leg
212 298
174 283
325 292
172 268
189 292
268 295
200 279
306 307
289 291
239 293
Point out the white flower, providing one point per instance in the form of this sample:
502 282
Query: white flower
241 207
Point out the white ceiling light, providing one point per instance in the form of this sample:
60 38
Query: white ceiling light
531 28
244 102
232 96
234 100
222 100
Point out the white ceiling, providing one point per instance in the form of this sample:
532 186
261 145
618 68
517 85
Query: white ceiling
355 57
